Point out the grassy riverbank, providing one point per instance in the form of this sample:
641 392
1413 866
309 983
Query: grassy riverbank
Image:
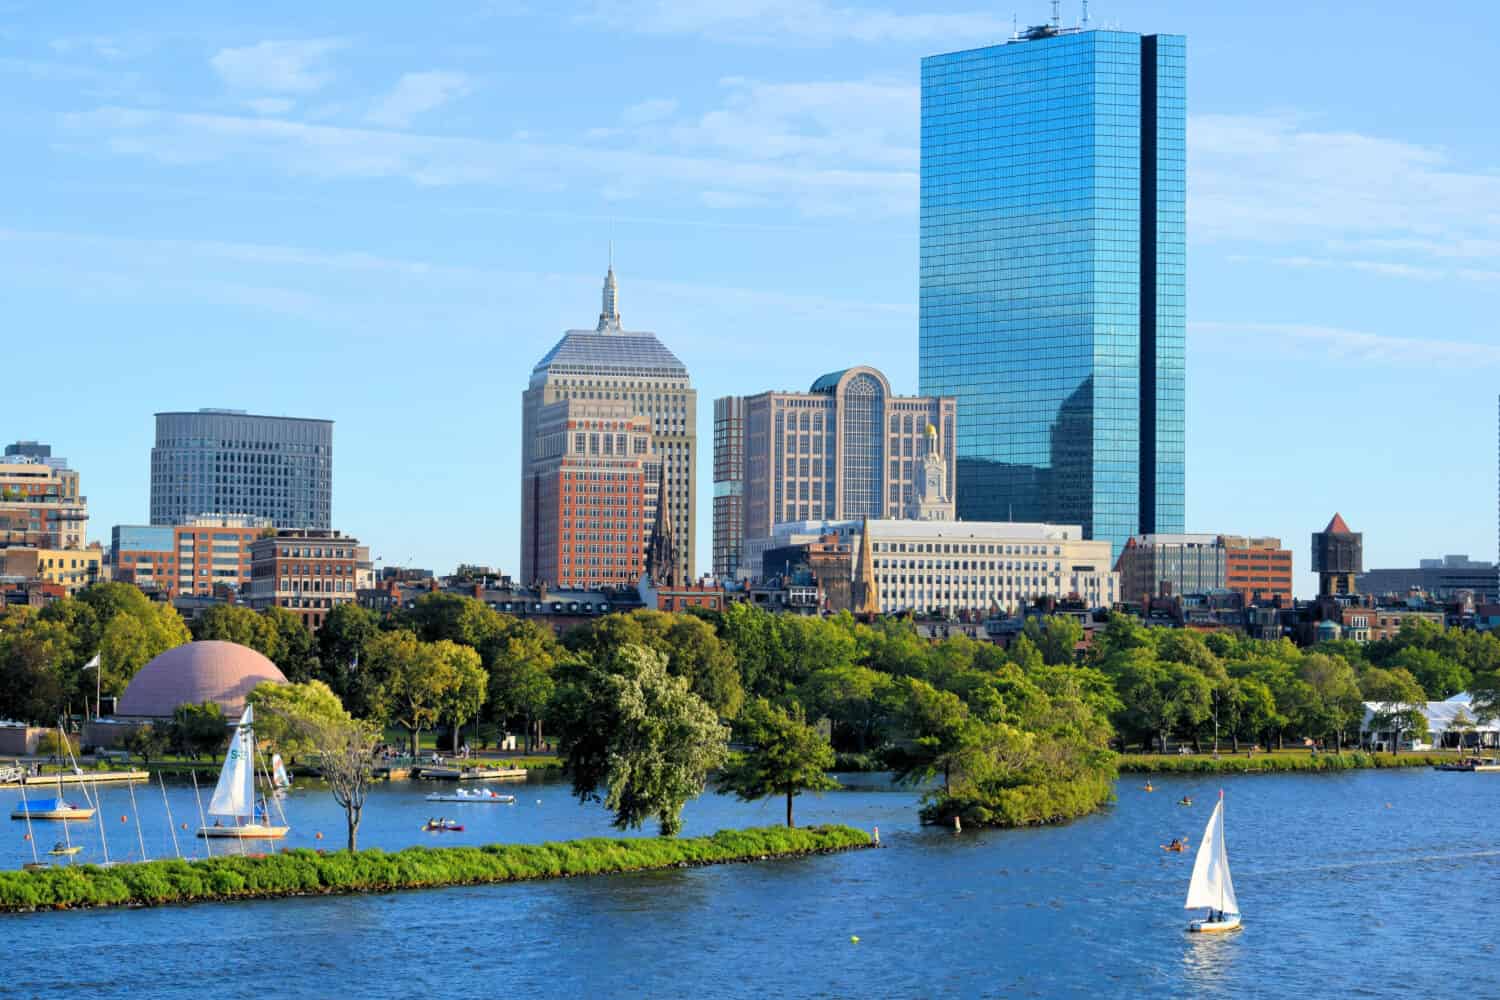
1281 762
305 872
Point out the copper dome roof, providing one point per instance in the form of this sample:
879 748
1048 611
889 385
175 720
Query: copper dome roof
211 670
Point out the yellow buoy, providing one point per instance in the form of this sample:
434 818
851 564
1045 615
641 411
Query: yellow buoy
854 939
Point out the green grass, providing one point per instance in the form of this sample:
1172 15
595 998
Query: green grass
305 872
1279 762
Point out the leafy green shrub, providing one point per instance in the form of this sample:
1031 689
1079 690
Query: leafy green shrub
1276 763
302 871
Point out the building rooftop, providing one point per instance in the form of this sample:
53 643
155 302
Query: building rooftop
589 352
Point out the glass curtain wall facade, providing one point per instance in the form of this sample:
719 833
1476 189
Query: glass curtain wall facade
1052 276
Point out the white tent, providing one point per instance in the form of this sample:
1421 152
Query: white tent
1442 729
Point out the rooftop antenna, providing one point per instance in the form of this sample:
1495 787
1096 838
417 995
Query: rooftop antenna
1057 13
1085 12
1015 26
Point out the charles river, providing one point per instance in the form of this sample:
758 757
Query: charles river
1372 883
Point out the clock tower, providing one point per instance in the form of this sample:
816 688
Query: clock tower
933 501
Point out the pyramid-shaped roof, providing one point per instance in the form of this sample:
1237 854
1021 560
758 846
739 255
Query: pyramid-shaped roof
1337 526
587 352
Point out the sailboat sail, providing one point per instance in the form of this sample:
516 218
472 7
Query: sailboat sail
235 793
279 777
1211 886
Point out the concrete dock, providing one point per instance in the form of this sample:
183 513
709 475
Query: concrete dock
475 773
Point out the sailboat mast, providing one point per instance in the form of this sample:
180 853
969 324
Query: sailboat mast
208 844
1219 848
136 812
171 823
26 808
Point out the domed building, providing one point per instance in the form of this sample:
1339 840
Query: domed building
224 672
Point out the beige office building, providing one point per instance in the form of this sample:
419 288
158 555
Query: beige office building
847 448
611 364
956 566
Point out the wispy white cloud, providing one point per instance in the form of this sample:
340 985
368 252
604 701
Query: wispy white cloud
807 22
270 105
808 181
290 66
646 112
416 94
1274 177
1346 347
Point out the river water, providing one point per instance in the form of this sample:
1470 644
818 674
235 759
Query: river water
1370 883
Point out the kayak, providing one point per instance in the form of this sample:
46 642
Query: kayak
444 827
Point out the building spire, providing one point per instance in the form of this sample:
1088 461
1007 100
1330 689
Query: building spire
661 553
866 592
609 316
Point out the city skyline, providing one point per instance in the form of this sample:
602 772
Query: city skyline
174 197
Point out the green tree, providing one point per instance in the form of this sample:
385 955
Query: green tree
1334 688
944 739
1397 703
468 689
787 757
692 650
132 638
1440 675
293 650
309 716
408 680
238 624
341 644
854 699
1058 639
148 742
281 711
520 672
630 731
199 729
31 688
466 621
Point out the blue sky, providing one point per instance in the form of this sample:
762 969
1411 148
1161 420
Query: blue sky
384 214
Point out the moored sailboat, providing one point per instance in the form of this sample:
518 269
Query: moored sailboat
234 797
1211 887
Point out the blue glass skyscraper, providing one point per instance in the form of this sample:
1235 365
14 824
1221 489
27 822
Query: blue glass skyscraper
1053 274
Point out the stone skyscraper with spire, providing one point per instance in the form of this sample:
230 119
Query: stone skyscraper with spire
608 433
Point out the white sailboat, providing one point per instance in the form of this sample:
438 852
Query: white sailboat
234 797
1211 886
279 778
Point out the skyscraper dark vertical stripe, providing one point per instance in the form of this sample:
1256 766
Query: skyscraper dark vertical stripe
1148 285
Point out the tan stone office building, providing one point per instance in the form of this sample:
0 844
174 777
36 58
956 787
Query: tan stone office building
611 364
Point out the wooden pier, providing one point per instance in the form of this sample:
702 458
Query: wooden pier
475 773
76 778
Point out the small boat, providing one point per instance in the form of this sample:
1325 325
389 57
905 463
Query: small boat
280 780
1176 846
443 826
1211 887
234 796
1185 801
55 808
472 795
61 849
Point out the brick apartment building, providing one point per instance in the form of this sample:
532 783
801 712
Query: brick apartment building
308 571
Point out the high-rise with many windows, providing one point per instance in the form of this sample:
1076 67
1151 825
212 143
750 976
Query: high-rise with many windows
230 462
568 532
1053 274
847 448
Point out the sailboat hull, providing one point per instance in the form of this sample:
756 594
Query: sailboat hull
1228 922
250 831
69 813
